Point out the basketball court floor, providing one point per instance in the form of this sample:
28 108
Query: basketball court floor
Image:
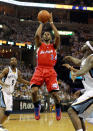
26 122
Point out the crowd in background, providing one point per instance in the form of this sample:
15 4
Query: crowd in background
25 32
81 2
47 102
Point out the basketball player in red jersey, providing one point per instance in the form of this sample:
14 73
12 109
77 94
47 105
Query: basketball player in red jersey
44 72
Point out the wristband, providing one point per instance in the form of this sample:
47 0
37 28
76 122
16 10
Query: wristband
41 23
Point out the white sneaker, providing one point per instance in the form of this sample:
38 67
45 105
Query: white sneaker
3 129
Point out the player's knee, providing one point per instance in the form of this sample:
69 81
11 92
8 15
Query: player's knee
56 97
70 111
7 113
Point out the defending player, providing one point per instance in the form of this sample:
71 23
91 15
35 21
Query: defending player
81 107
46 59
10 75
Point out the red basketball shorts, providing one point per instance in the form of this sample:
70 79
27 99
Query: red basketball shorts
47 75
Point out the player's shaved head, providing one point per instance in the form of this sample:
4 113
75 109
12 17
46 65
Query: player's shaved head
13 58
13 62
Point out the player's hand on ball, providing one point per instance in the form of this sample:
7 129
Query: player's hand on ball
41 23
73 76
51 18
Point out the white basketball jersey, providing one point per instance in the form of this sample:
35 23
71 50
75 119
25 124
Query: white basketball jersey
10 80
88 77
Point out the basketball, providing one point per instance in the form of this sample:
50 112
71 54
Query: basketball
43 16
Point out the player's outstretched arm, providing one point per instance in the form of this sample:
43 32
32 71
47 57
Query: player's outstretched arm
3 74
57 36
88 65
21 80
76 61
70 67
38 35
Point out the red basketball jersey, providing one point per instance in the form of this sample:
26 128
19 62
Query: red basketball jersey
46 55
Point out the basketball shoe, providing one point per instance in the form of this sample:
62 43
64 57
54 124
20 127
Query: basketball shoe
58 113
37 113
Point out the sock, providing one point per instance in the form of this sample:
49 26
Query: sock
80 130
36 104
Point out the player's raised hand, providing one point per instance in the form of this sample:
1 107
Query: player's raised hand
73 76
51 18
67 66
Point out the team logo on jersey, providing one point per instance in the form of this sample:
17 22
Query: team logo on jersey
54 85
46 52
11 76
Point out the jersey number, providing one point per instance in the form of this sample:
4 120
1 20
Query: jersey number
12 82
52 57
